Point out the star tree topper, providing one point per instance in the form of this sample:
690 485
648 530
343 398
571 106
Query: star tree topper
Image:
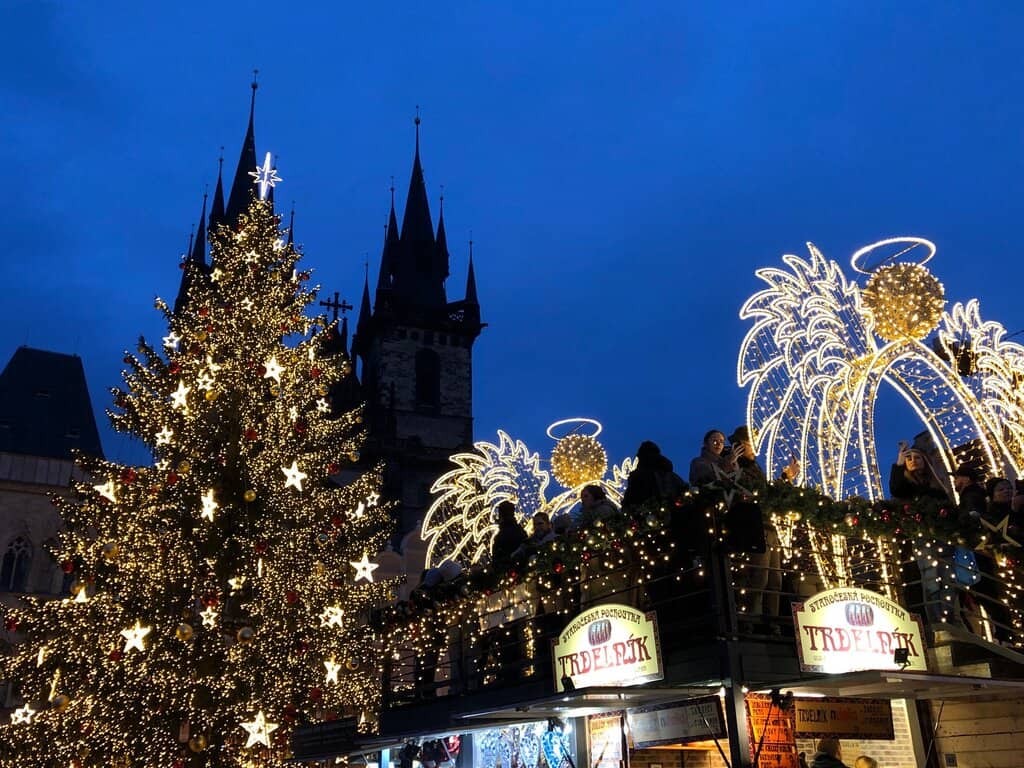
265 177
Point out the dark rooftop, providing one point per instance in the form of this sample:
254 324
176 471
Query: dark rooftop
44 406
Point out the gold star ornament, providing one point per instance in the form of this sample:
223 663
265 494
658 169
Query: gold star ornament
259 730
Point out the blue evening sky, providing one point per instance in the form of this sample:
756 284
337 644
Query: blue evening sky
623 169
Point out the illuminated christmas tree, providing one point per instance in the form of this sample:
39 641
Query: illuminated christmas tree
218 596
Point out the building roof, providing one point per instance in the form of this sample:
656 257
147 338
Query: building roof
45 408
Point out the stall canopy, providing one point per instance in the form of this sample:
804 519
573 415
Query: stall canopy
876 684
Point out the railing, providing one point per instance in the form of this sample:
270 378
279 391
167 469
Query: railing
699 565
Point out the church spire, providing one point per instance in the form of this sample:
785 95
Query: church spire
442 243
291 226
217 210
471 299
363 323
241 187
389 255
194 265
416 224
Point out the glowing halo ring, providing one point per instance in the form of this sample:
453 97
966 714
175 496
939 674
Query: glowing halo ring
911 242
578 420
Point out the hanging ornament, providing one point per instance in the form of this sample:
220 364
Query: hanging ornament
245 635
135 637
249 495
364 568
184 632
294 476
198 743
110 550
60 702
333 668
259 730
251 434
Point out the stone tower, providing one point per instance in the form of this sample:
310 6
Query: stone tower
416 353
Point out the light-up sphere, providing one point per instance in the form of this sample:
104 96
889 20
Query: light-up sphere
578 459
905 301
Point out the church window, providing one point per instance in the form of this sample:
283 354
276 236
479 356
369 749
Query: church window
15 565
428 378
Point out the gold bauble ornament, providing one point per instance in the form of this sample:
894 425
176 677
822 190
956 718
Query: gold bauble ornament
352 665
578 459
275 391
354 456
110 550
60 702
198 743
184 466
323 391
905 301
201 335
184 632
245 635
250 495
211 395
121 761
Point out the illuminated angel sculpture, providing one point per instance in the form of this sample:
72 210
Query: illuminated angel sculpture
821 347
461 523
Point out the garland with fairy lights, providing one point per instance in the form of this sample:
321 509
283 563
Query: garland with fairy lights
482 600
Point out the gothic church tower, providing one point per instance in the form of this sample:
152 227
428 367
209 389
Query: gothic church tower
416 351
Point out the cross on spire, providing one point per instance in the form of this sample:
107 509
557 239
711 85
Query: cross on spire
337 304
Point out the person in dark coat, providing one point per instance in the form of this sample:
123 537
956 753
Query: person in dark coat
652 478
829 754
510 536
912 477
967 481
712 457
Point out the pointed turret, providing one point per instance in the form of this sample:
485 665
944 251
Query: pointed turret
417 227
363 322
417 280
441 258
471 299
194 265
389 255
343 335
291 226
217 210
242 186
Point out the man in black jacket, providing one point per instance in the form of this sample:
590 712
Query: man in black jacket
510 536
829 754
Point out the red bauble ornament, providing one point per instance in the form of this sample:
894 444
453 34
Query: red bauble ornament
172 478
127 359
174 367
251 434
68 566
209 329
854 520
261 370
210 599
291 597
886 517
943 512
514 575
128 476
116 655
301 426
333 468
204 311
11 624
559 567
314 372
585 556
316 693
917 517
261 547
337 521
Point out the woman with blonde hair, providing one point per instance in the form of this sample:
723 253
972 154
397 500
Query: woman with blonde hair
865 762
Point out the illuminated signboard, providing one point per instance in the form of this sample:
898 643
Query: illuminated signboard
609 645
850 629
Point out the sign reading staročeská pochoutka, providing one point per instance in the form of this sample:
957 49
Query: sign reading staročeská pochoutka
849 629
608 645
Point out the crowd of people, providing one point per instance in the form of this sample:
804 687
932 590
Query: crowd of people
731 463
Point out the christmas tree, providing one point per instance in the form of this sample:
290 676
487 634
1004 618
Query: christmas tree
218 596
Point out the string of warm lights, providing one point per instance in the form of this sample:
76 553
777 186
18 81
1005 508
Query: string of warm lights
220 595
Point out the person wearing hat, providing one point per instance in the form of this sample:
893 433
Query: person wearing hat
912 477
967 481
